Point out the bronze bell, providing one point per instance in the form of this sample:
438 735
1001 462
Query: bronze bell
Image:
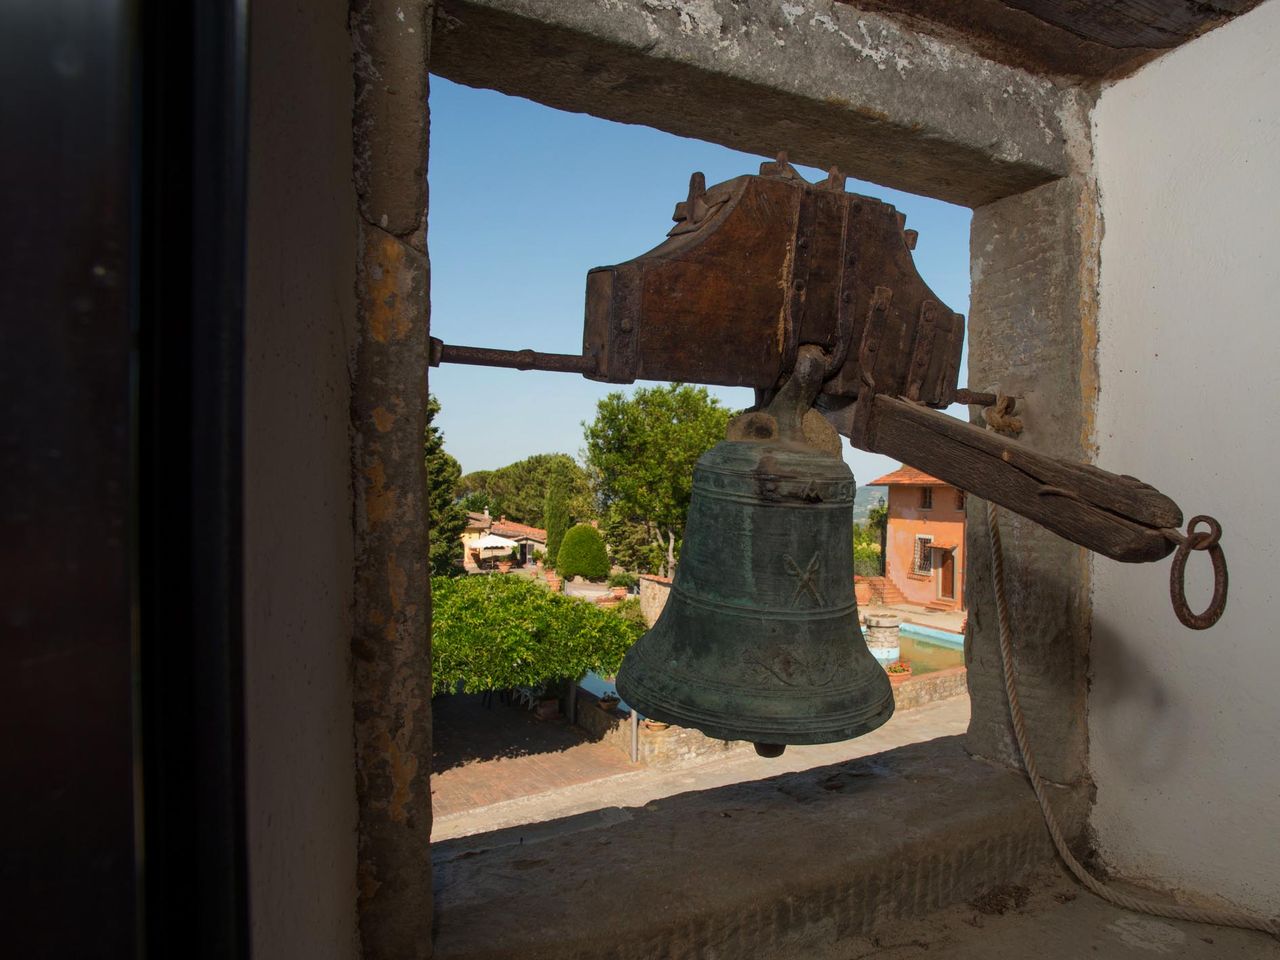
759 639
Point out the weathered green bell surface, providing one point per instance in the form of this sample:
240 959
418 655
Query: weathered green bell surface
759 639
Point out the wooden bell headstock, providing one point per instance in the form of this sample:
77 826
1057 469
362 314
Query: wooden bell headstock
763 269
757 266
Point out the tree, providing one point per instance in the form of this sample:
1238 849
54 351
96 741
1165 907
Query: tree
555 520
641 453
867 559
868 542
631 545
495 633
519 490
446 518
878 518
582 554
476 502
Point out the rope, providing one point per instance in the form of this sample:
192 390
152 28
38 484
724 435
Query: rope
1225 918
1000 416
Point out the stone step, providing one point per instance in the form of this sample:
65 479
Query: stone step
885 591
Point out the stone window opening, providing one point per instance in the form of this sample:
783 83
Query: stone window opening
926 498
1021 210
657 748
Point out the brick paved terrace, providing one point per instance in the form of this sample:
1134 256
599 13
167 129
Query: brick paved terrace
488 752
498 767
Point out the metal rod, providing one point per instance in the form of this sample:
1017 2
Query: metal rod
442 352
517 359
635 736
975 397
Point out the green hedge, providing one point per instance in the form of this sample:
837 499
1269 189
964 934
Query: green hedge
500 632
629 610
582 554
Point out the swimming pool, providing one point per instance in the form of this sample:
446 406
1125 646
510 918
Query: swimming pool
928 650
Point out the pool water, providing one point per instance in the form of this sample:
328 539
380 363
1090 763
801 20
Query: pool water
597 685
926 656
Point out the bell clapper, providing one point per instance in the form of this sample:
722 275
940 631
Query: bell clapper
770 750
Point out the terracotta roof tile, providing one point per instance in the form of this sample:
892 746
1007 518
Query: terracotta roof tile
907 476
509 528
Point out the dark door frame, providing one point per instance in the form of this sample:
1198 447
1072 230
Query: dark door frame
192 160
947 572
124 198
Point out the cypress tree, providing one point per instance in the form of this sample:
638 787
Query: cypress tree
446 517
555 518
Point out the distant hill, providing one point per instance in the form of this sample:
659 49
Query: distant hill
865 499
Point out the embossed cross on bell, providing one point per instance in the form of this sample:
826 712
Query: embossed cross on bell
759 639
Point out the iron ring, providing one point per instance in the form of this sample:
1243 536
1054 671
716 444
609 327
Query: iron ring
1177 575
1203 541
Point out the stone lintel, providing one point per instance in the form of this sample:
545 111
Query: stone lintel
786 867
831 84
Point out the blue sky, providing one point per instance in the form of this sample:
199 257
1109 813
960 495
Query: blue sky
524 201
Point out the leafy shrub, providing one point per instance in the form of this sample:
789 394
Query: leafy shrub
629 610
867 560
499 632
582 554
627 580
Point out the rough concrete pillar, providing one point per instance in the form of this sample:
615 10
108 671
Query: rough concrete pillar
391 639
1034 260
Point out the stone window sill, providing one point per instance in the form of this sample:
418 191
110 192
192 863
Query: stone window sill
795 864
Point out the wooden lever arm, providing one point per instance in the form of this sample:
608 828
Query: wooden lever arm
1114 515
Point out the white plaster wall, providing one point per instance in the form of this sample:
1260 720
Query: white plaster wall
300 766
1184 725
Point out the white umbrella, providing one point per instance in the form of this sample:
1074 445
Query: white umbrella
491 541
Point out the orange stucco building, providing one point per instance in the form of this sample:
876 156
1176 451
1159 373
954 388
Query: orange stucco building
924 539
